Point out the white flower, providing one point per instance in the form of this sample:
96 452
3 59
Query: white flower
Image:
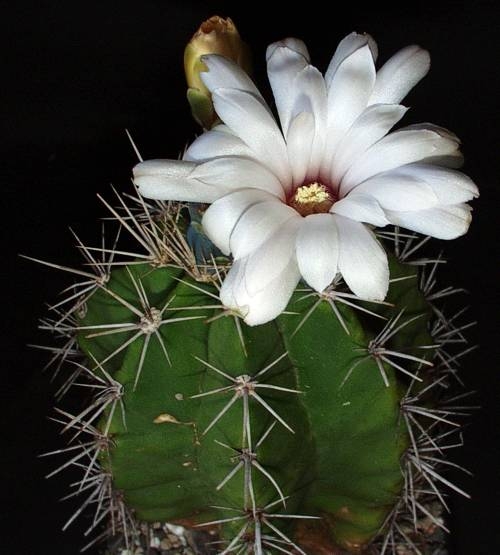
301 199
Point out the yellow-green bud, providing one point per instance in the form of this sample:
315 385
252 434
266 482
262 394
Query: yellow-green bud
215 36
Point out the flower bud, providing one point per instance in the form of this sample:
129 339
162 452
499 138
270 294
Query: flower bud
215 36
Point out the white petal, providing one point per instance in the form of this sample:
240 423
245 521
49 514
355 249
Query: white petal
234 283
310 97
257 225
265 305
444 222
299 143
260 285
309 93
347 46
221 216
294 44
362 261
217 142
306 132
170 180
284 62
396 149
186 190
362 208
373 124
396 191
269 260
453 159
176 169
348 94
450 186
350 88
318 250
250 121
299 88
431 126
224 73
400 74
233 172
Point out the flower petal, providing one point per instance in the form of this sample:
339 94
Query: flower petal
176 169
265 305
221 216
348 95
396 191
299 142
225 73
257 225
453 159
397 149
284 61
362 261
249 120
400 74
305 135
233 294
233 172
318 250
310 97
272 257
298 88
170 180
443 222
347 46
291 43
373 124
450 186
219 141
362 208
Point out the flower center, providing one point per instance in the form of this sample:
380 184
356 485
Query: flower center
313 198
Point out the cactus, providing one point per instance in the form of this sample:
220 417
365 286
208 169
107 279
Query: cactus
320 431
328 411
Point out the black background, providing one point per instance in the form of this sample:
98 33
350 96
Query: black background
76 74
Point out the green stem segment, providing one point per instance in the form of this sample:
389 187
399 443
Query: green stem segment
226 415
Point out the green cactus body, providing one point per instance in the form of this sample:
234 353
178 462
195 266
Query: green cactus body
304 400
319 432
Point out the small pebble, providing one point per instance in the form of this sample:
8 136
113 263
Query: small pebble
165 544
159 539
175 541
155 543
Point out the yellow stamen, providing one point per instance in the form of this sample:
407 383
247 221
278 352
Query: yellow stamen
313 198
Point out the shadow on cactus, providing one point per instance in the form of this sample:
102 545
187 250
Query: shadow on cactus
270 371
